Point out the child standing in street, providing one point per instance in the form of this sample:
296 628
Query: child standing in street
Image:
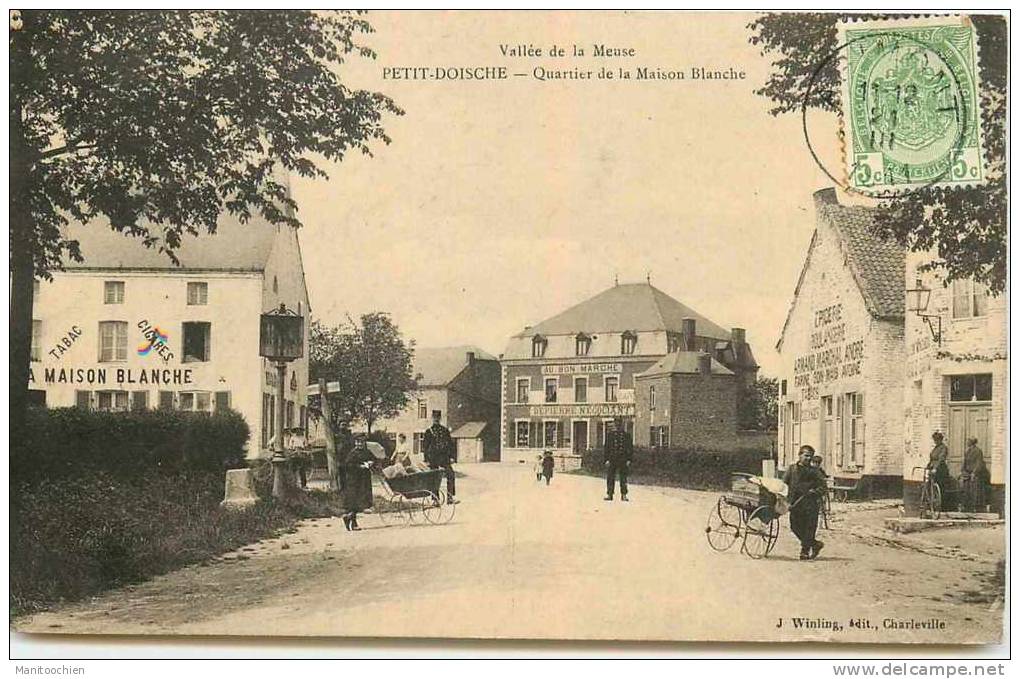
547 466
538 467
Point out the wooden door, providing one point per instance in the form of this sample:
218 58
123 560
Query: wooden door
967 421
580 436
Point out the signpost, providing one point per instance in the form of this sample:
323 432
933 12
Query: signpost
281 340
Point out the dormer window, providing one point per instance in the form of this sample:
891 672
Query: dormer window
538 345
672 342
628 342
582 344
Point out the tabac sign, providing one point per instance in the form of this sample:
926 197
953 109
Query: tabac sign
584 410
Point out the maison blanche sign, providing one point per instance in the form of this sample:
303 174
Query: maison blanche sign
114 376
581 368
584 410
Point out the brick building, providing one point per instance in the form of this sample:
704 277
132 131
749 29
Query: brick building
955 383
687 399
566 377
842 352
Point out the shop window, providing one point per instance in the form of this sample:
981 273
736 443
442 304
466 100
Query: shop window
423 409
550 432
113 292
523 387
582 344
36 340
82 399
112 400
612 387
112 341
197 340
196 401
551 384
581 390
963 388
522 439
140 400
538 345
853 424
628 343
970 299
223 403
198 294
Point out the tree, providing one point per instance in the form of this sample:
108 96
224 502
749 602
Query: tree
759 408
158 122
372 363
965 228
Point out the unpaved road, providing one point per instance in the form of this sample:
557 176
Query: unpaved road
522 560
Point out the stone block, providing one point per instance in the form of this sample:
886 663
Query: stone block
240 489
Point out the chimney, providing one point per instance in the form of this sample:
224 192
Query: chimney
689 331
738 336
705 364
471 357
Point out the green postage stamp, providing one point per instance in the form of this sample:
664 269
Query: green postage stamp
910 105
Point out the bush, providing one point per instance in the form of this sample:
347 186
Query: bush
75 537
685 468
61 442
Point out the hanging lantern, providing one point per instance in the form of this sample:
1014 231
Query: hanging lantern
281 335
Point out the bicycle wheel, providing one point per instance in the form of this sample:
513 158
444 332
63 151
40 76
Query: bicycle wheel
935 501
723 527
761 534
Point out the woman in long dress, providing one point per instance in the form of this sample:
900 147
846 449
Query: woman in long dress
357 492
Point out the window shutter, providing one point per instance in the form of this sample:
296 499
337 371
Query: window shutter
223 400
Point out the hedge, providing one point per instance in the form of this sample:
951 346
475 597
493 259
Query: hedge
62 442
685 468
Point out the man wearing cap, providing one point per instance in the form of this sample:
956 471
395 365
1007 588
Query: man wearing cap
619 452
806 485
938 462
438 447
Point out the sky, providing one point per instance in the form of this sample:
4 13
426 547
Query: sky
501 203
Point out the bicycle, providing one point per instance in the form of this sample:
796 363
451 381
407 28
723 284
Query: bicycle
931 495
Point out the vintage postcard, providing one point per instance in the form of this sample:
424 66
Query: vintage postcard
570 325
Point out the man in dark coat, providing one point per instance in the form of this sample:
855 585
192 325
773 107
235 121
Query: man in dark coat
806 485
974 476
619 452
357 492
938 463
438 447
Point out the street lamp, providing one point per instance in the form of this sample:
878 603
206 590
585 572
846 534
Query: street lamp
281 340
918 298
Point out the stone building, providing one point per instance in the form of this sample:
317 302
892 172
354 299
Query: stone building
842 352
566 377
956 375
127 329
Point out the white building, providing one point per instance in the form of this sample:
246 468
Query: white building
842 353
127 329
956 378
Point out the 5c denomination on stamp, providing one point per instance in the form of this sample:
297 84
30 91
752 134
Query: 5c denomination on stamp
910 105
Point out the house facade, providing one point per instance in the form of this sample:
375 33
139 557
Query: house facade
956 379
128 329
565 378
842 352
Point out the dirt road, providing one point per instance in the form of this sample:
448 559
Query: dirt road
522 560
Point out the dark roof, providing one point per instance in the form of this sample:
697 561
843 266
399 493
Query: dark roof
469 430
437 367
633 306
682 363
878 264
234 247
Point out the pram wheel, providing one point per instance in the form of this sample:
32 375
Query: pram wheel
436 509
762 532
396 513
723 527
